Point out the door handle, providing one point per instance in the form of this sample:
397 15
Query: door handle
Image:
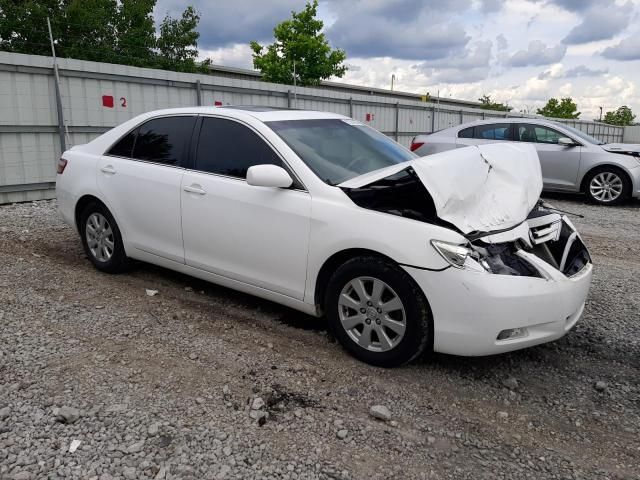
109 170
195 189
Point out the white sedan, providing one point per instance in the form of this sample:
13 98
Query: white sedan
321 213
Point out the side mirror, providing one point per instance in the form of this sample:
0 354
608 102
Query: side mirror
566 142
268 176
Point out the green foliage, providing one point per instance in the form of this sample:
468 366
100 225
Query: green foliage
179 39
299 40
622 116
113 31
488 104
565 108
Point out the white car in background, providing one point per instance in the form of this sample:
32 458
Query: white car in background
328 216
571 160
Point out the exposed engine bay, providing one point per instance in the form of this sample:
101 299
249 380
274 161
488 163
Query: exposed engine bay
544 233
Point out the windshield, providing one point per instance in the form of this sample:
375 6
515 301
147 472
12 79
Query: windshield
337 149
581 134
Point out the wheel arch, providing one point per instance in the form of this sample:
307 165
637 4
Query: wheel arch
332 263
80 206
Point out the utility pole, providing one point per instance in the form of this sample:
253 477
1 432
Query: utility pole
295 91
62 127
600 114
393 77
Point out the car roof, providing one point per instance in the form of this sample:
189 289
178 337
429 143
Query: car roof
541 121
263 114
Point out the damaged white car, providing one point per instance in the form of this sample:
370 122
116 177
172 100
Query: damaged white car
453 253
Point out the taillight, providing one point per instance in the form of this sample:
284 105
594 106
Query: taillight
416 145
62 164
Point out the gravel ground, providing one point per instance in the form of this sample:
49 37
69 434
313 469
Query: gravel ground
100 380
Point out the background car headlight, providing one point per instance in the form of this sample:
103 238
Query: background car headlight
455 255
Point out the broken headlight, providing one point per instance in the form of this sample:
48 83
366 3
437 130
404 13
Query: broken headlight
455 255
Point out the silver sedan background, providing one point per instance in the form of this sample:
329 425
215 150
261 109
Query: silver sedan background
571 160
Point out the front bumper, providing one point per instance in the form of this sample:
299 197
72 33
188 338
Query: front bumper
470 308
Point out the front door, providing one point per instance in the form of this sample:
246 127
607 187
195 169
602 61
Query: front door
559 163
256 235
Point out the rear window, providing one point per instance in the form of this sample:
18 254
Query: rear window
494 131
466 133
164 140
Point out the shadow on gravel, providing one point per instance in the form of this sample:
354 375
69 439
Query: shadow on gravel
581 200
218 293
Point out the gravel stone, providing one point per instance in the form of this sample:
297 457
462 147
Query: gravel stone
511 383
380 412
342 434
68 415
600 386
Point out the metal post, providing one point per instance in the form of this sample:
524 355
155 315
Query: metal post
288 98
63 131
397 119
351 107
198 93
433 119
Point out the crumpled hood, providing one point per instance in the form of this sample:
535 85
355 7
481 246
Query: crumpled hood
482 188
622 148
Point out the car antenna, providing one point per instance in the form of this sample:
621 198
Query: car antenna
554 209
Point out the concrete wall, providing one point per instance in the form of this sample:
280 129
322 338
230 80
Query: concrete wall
30 135
631 134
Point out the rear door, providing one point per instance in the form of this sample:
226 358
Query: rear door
560 164
484 133
140 178
256 235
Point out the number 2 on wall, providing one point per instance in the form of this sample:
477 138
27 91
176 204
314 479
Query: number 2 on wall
123 102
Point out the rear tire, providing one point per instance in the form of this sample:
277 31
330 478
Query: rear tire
607 186
102 240
378 312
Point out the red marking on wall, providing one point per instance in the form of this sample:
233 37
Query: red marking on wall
370 117
217 103
107 101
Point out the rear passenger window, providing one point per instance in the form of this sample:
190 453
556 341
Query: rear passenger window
466 133
494 131
164 140
124 147
229 148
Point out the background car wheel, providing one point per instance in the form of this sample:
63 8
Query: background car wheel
607 186
377 312
101 239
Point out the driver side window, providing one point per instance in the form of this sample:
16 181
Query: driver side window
537 134
228 148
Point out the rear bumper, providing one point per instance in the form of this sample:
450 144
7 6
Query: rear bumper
470 309
66 203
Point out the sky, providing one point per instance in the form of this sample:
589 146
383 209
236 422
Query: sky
520 52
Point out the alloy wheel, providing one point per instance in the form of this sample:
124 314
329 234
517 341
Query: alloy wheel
100 238
372 314
606 187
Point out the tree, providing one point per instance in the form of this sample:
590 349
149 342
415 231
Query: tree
622 116
136 32
114 31
178 41
299 41
565 108
488 104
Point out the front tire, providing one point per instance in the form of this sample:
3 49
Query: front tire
102 240
378 312
607 186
